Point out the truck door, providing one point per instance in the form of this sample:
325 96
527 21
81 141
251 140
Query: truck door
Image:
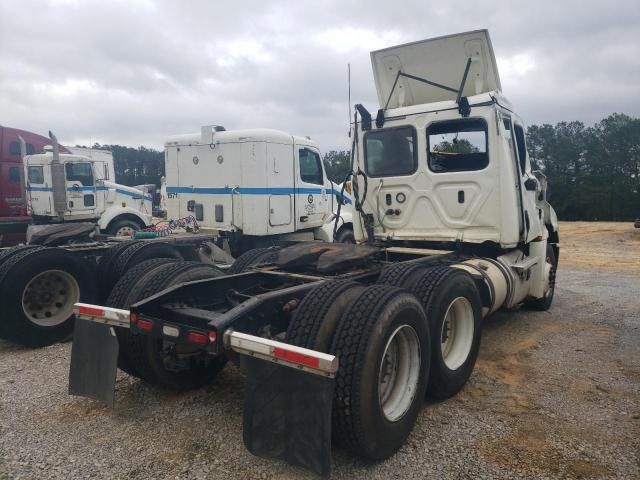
81 189
280 171
312 198
529 184
39 192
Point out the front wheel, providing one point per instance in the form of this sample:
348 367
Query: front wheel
123 228
544 303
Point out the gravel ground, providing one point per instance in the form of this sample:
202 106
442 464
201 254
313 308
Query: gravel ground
554 395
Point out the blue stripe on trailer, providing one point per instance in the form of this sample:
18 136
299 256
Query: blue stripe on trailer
253 191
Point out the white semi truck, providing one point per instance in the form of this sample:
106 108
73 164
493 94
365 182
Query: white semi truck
344 341
254 187
81 187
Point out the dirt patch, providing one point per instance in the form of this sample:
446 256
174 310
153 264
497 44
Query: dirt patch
530 450
508 364
608 245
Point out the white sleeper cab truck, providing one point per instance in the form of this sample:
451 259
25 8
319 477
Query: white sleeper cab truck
344 341
253 186
71 187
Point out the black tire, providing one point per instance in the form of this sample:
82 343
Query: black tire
403 275
543 304
124 293
6 254
116 225
437 288
27 307
106 264
346 235
363 333
254 257
144 351
316 318
136 253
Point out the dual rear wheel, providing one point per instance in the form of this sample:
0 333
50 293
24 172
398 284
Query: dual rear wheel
396 343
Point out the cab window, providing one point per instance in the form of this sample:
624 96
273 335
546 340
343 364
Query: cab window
522 147
14 175
14 148
390 152
79 172
36 175
457 146
310 167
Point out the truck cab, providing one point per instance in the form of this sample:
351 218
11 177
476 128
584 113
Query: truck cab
83 190
14 217
445 162
254 183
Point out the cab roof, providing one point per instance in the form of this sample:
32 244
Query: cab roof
209 135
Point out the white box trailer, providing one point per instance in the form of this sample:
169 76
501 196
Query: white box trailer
259 185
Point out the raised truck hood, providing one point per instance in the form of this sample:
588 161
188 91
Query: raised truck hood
441 60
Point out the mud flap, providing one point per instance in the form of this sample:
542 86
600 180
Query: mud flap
287 414
94 361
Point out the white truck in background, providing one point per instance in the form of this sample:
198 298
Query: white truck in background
81 187
254 187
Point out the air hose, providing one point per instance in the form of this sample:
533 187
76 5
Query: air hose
165 229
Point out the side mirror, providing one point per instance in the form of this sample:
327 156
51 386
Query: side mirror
530 184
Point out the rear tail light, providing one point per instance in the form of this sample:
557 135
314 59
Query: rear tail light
133 318
145 325
197 338
213 336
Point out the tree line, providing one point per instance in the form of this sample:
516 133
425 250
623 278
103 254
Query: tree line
593 172
135 166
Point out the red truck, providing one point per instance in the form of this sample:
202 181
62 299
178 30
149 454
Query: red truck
14 217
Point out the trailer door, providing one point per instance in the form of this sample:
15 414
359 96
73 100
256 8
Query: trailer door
312 199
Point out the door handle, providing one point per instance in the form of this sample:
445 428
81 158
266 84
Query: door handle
304 218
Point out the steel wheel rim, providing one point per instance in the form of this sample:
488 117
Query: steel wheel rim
399 373
48 298
125 232
456 336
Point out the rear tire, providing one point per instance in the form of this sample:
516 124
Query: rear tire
382 342
254 257
125 289
402 275
453 307
316 318
145 352
39 287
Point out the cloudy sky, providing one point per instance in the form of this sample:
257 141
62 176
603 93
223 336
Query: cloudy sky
133 72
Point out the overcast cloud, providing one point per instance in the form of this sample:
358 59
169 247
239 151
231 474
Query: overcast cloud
134 72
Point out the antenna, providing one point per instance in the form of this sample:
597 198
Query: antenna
349 96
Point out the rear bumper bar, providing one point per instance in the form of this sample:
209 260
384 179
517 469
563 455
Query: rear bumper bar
303 359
